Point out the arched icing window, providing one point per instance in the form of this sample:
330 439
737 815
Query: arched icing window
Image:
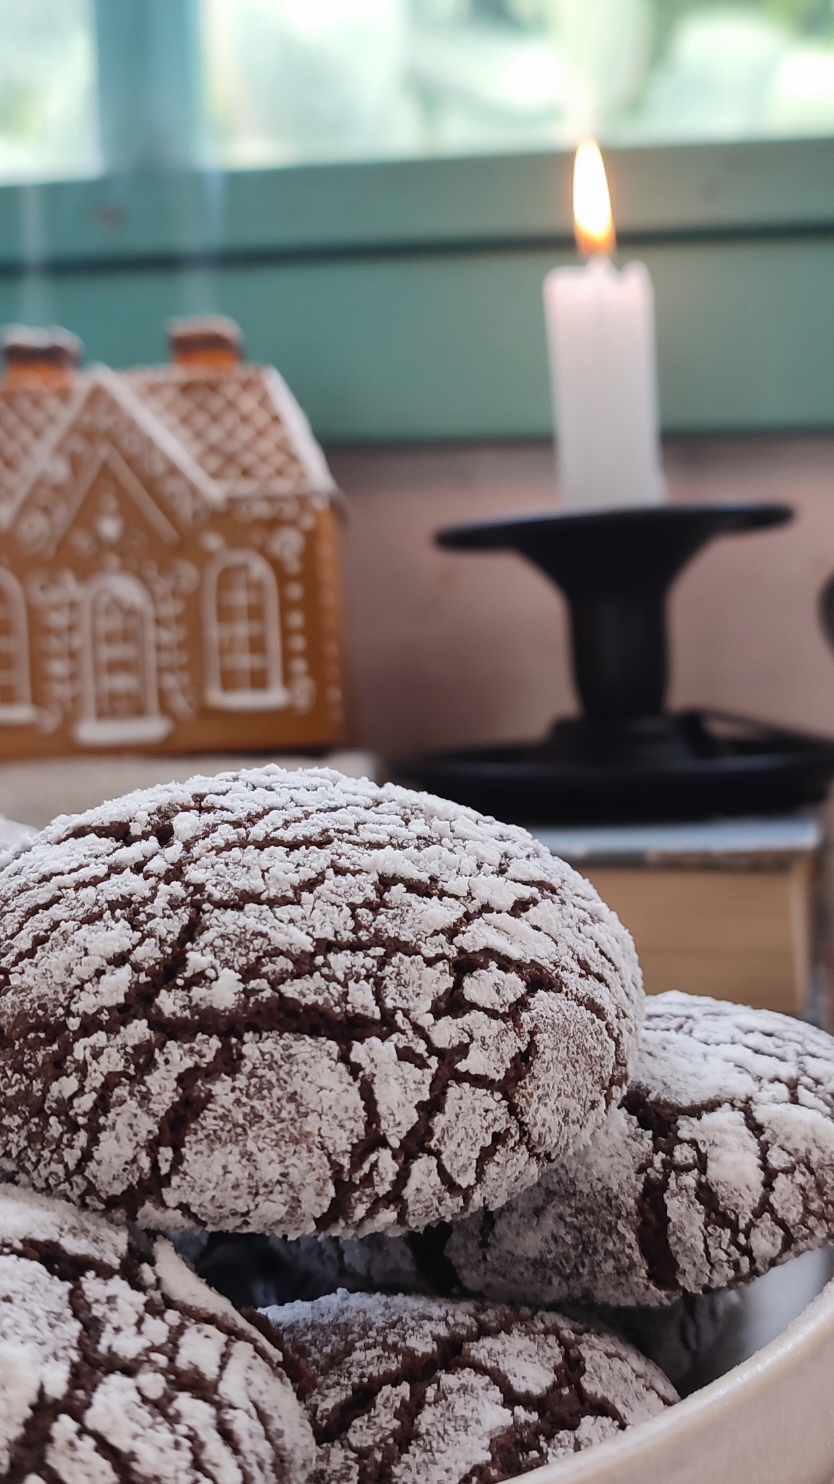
242 634
16 707
119 700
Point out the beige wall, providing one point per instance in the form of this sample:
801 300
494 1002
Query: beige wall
449 649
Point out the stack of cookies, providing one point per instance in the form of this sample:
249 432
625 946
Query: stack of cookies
403 1051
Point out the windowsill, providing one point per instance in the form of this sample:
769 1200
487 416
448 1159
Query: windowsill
664 193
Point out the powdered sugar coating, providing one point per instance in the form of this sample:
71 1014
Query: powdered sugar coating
118 1364
288 1002
406 1389
718 1164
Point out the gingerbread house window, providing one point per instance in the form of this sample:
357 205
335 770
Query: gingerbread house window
242 634
15 697
120 702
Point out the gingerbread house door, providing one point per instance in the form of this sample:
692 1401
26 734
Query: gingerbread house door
119 696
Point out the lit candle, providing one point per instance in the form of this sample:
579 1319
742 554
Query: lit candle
600 331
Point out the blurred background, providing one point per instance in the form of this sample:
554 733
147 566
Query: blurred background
276 82
374 190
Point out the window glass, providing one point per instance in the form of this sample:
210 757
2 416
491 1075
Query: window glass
248 83
294 80
47 89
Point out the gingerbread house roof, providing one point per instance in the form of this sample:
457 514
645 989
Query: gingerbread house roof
231 434
28 416
243 427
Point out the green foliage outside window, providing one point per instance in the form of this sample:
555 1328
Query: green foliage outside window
285 82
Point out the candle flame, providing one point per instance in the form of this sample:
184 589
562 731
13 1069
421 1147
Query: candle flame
593 222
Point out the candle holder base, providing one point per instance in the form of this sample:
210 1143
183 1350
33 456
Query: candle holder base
694 765
627 758
663 740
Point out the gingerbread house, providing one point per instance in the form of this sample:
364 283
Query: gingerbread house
168 555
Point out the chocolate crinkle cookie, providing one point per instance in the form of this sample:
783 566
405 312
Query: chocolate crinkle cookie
290 1002
258 1271
400 1389
118 1364
717 1165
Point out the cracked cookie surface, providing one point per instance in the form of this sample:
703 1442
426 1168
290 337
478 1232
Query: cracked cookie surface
717 1165
297 1002
400 1389
119 1366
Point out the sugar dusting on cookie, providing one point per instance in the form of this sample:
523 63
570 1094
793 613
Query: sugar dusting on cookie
718 1164
119 1364
297 1002
417 1388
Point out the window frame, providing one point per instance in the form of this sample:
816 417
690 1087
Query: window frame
16 673
401 299
660 193
273 696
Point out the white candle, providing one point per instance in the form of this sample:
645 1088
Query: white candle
600 330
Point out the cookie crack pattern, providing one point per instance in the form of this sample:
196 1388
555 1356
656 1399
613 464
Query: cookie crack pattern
26 1446
292 1003
655 1234
394 1384
652 1214
717 1165
120 1366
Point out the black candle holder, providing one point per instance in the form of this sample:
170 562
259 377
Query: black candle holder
626 757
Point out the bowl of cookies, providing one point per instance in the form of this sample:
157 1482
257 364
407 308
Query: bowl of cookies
339 1143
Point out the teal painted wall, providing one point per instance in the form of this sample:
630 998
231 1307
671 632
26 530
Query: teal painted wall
400 313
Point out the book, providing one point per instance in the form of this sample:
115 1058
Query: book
724 908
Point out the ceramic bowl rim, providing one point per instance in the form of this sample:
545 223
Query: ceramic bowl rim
697 1412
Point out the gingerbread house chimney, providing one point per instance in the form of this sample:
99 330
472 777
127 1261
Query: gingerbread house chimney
45 359
205 343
